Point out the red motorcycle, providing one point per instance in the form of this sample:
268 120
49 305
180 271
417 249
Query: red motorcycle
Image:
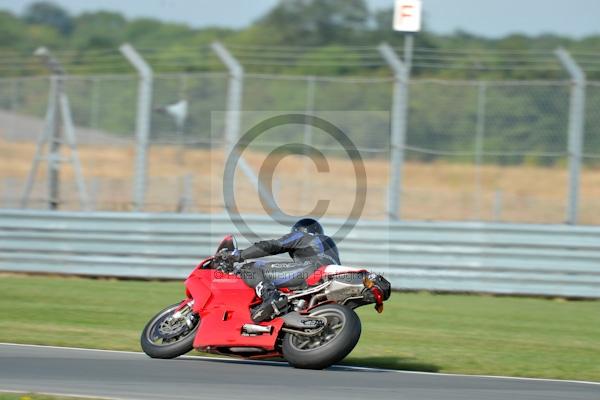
320 329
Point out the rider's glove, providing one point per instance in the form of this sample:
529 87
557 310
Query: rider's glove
235 256
228 258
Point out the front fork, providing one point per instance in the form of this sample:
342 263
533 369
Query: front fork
185 311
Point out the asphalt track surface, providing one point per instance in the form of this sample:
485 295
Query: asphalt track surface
129 375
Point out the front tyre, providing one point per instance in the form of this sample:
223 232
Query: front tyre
165 336
335 342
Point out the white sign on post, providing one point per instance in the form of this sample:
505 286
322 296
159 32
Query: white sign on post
407 15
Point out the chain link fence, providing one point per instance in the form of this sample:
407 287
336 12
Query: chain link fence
475 150
590 179
487 151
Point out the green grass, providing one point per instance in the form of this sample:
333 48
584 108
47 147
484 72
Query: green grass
417 331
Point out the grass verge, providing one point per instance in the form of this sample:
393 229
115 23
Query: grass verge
417 331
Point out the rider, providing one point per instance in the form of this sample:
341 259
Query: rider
309 248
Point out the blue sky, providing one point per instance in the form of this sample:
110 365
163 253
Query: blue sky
493 18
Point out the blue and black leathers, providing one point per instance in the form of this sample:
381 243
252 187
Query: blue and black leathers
308 252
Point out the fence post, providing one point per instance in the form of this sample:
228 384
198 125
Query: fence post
186 193
95 102
51 133
14 105
232 121
498 201
309 109
142 124
576 128
95 193
479 135
398 120
234 93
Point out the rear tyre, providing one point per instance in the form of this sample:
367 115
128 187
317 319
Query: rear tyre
167 337
334 343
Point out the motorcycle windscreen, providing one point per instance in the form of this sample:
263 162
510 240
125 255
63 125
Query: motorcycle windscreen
228 243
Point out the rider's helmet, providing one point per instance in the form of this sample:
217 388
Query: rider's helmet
308 225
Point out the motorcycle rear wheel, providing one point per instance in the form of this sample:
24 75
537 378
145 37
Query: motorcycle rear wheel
335 342
156 345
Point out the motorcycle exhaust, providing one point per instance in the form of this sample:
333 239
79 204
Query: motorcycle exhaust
297 321
256 329
246 350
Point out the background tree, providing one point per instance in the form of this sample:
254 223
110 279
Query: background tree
316 22
47 13
11 30
100 29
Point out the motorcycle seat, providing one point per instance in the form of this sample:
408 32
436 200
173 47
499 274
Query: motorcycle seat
290 275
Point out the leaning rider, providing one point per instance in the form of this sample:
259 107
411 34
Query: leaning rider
309 248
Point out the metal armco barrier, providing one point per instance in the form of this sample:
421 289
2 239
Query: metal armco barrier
552 260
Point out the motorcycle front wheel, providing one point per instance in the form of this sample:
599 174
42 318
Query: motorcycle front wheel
167 337
331 345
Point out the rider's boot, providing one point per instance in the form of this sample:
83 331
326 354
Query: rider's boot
273 303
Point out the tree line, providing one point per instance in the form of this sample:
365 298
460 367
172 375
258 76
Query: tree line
321 37
524 123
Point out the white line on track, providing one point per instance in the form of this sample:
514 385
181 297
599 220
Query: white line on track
349 367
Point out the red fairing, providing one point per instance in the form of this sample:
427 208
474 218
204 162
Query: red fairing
197 286
223 303
316 276
330 270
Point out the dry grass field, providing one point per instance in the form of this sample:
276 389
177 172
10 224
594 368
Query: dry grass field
432 191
